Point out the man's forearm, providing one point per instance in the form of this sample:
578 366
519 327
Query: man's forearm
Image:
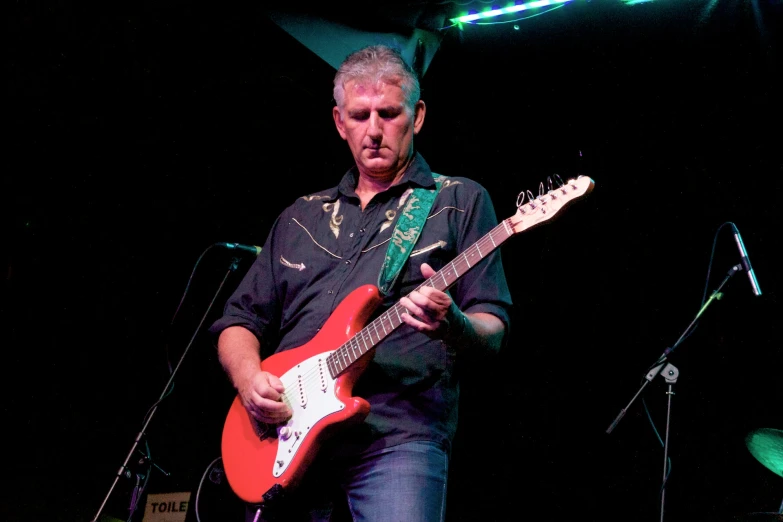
239 353
481 333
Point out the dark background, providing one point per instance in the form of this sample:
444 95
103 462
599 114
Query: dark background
138 137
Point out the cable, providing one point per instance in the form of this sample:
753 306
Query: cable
200 484
712 256
182 299
658 436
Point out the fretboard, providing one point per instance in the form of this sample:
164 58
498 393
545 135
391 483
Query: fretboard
377 330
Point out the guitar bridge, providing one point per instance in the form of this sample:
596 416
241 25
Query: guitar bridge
263 430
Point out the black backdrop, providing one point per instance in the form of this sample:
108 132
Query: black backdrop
139 138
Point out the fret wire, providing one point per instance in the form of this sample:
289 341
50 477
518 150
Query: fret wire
505 224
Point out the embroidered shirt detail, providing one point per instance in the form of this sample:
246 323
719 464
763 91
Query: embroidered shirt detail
390 215
315 197
298 266
376 246
335 220
445 208
314 241
439 244
448 182
404 196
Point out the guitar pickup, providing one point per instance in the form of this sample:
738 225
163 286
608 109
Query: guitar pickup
301 393
322 375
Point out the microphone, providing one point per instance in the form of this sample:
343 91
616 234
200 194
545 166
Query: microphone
238 246
746 261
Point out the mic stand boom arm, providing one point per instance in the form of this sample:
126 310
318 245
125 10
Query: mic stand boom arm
123 471
656 368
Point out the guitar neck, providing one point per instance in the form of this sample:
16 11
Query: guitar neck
372 334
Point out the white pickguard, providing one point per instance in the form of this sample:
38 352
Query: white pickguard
309 391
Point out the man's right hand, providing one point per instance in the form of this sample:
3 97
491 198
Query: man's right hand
262 395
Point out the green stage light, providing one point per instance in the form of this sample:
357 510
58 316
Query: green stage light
505 10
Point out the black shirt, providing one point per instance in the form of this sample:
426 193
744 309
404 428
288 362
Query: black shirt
324 246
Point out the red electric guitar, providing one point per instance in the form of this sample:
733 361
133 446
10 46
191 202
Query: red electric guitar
319 376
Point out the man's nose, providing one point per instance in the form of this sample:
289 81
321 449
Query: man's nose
374 129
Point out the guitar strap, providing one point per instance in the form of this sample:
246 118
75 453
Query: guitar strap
406 233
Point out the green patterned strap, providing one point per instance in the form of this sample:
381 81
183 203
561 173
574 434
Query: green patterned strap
406 233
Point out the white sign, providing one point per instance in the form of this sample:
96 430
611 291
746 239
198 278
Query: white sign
167 507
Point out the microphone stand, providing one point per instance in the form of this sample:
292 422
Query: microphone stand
124 470
670 373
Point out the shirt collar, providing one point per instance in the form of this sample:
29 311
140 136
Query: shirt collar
418 173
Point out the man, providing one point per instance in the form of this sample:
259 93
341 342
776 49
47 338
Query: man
393 466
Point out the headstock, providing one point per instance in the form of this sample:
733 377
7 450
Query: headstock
548 204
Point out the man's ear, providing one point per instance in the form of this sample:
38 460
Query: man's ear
338 121
419 111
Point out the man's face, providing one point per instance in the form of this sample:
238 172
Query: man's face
378 126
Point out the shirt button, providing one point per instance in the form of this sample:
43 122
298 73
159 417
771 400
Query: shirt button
350 235
348 262
330 292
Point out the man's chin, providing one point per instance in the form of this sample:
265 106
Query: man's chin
378 165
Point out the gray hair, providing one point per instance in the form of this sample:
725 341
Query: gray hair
375 63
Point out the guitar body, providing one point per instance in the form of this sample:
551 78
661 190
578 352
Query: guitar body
256 457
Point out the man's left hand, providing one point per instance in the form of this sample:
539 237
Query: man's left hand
429 310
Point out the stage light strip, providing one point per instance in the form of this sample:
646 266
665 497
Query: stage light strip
506 10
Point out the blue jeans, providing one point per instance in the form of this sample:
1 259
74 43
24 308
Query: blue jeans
403 483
